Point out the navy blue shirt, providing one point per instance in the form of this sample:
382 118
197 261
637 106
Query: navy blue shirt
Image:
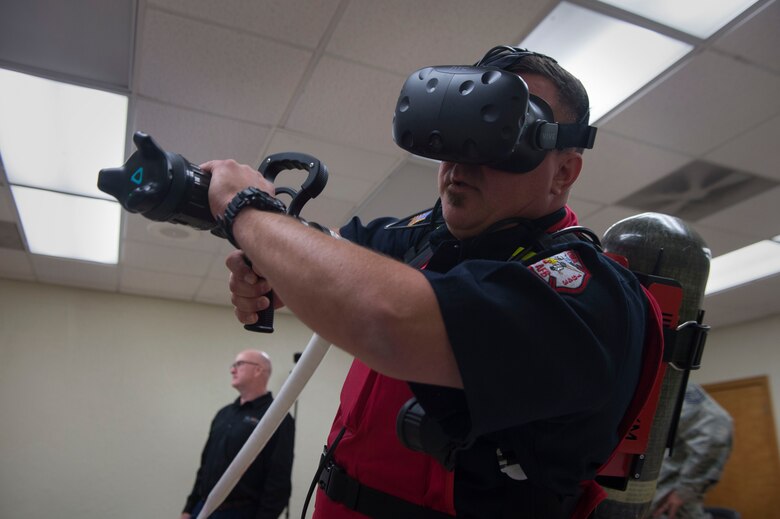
549 351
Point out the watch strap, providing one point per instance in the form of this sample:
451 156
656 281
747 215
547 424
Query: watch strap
249 197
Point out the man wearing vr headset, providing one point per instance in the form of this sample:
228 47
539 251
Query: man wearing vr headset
495 360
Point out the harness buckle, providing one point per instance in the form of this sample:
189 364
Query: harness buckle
338 486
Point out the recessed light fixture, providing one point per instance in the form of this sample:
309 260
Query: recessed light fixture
612 58
55 137
58 136
756 261
76 227
700 18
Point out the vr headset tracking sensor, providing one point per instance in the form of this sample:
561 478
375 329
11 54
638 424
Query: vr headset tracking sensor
481 115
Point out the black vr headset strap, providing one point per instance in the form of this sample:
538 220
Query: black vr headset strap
560 136
551 135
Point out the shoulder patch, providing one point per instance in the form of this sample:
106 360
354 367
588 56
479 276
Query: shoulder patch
564 272
416 220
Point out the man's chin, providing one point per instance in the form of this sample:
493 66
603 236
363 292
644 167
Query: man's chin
454 198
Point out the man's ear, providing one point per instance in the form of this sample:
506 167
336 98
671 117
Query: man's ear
569 167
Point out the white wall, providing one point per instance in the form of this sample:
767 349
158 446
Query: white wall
106 400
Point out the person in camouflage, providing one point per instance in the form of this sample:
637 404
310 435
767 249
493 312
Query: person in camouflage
701 449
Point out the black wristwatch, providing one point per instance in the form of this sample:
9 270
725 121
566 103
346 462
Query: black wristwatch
249 197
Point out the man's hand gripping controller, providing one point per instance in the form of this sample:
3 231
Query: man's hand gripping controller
166 187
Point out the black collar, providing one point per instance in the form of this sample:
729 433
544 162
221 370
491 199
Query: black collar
499 244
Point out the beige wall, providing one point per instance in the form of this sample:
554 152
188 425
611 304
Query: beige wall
744 351
105 400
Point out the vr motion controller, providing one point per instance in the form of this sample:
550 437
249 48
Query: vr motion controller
166 187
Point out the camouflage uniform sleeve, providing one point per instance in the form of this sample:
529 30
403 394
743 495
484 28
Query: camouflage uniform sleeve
704 439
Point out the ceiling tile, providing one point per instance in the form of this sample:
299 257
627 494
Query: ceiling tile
82 40
756 39
754 150
215 292
352 173
301 22
218 271
583 208
60 271
15 264
350 190
165 259
7 206
747 302
343 162
217 70
164 284
139 229
696 190
758 216
405 35
330 212
602 220
709 101
200 137
10 237
721 241
350 104
410 189
618 166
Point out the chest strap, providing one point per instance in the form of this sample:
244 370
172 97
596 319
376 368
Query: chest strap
342 488
419 257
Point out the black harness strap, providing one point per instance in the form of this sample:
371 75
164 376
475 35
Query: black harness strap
341 488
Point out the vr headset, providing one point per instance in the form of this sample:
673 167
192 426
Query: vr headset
482 114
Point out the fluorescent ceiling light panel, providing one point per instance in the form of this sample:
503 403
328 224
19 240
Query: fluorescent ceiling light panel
69 226
612 58
701 18
58 136
744 265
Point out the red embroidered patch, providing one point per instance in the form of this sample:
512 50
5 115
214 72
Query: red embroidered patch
564 272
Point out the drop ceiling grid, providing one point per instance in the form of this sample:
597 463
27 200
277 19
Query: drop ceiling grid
214 69
299 22
165 259
758 216
618 166
342 161
350 104
754 151
161 284
409 189
192 103
404 35
704 104
142 230
59 271
199 136
757 39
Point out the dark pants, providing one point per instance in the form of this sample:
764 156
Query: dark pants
248 511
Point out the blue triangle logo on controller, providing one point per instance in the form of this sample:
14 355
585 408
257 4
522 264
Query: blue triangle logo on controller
138 176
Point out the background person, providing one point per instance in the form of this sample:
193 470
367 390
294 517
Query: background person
263 491
702 446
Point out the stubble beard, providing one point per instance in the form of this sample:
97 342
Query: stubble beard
456 199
